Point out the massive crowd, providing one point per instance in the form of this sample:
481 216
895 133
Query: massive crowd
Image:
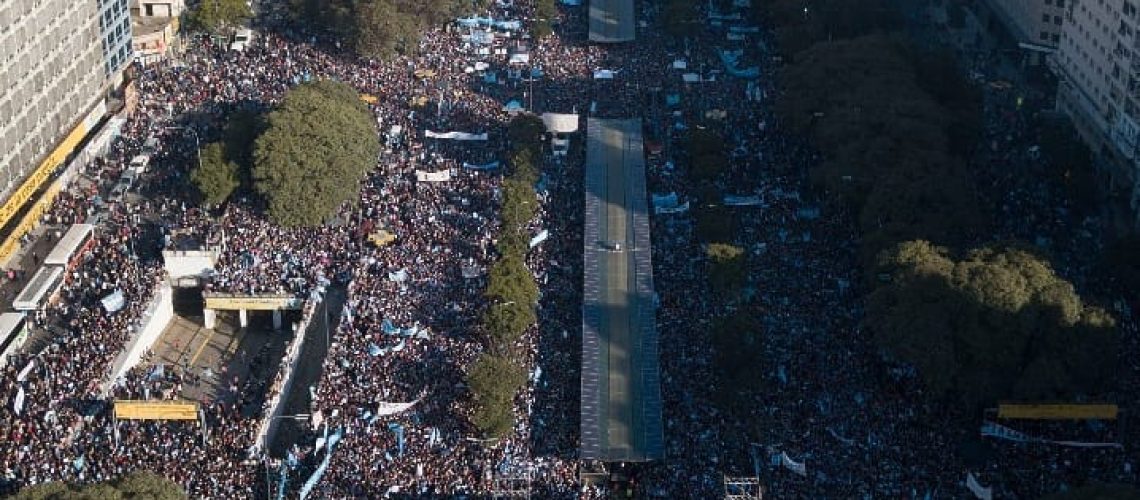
405 334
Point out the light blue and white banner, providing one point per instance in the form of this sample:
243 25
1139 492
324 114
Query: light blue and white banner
741 201
317 474
486 166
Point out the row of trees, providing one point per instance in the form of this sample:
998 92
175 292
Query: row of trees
139 485
498 374
305 158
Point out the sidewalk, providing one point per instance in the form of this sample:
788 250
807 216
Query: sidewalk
26 261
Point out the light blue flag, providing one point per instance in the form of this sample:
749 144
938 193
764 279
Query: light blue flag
398 430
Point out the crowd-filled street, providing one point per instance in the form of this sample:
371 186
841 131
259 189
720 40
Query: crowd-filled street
861 427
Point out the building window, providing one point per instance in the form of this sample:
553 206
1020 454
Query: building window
1057 20
1044 18
1056 38
1044 35
1060 3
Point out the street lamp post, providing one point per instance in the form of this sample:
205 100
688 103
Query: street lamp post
197 144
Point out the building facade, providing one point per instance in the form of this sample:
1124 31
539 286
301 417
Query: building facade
57 59
1033 27
1098 68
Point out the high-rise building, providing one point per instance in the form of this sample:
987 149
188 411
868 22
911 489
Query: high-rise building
1098 68
58 58
1035 25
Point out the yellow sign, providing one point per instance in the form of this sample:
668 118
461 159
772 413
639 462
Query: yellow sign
418 101
35 181
423 73
226 302
369 98
381 238
155 410
1058 412
29 222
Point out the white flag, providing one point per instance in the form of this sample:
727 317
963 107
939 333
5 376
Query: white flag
797 467
18 402
977 489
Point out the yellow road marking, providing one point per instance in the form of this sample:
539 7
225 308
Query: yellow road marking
202 347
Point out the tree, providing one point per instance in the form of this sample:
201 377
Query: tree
728 271
242 130
505 322
998 323
319 143
509 280
217 177
739 349
525 131
138 485
493 381
381 30
679 18
519 204
544 13
714 224
707 155
219 16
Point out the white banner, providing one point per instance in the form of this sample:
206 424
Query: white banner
977 489
679 209
539 238
385 408
114 302
441 176
604 74
797 467
994 430
458 136
23 375
18 402
470 271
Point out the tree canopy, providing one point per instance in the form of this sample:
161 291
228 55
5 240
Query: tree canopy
139 485
513 295
886 140
318 145
219 16
728 268
998 323
381 28
217 177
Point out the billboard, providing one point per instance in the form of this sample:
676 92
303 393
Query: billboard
155 410
227 302
1058 411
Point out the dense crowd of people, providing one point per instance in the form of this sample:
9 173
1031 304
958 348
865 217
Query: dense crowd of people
391 387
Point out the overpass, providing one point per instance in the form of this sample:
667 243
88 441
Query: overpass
611 21
621 386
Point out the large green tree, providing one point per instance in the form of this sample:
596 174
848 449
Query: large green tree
381 28
217 177
319 143
493 381
999 323
219 16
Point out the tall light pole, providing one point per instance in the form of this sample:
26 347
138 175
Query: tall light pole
197 144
